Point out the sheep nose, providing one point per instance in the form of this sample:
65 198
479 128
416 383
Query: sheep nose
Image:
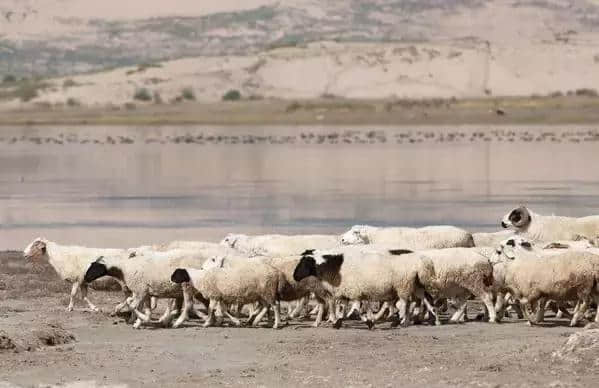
503 224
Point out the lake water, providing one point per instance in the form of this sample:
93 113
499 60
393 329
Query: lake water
126 186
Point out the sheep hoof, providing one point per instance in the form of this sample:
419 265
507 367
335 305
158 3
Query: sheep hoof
370 324
338 323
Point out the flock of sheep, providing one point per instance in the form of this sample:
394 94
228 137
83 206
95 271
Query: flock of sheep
399 274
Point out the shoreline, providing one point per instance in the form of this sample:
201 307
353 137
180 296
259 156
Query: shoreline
334 111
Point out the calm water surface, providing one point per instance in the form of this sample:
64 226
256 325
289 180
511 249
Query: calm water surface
125 186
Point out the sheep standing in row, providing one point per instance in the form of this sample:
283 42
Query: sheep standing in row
240 284
71 263
145 277
537 227
460 273
430 237
277 245
373 277
569 276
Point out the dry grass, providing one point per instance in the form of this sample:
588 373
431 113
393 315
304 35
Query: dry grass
555 109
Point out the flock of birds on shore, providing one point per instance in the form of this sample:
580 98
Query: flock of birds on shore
400 274
349 136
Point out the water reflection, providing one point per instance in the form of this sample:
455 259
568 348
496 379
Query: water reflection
139 191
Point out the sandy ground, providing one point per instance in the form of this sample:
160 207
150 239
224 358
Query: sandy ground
107 352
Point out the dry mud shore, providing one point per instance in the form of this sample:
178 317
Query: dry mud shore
41 344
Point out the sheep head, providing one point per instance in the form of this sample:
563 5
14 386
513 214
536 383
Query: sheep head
36 250
314 264
231 239
214 262
358 234
518 219
507 248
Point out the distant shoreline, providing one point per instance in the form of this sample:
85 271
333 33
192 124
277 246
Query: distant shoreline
333 111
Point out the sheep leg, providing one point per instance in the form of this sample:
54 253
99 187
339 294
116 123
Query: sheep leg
355 307
580 313
319 314
134 303
301 304
74 290
210 318
276 306
403 312
165 318
91 306
382 311
420 293
368 317
145 316
540 313
233 319
260 315
461 308
487 299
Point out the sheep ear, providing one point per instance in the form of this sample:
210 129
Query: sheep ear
306 267
511 242
180 276
526 244
399 252
132 254
308 252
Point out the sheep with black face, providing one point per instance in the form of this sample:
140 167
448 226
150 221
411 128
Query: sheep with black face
540 228
371 277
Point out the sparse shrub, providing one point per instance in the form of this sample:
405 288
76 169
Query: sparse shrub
72 102
294 106
142 94
27 91
9 79
232 95
556 94
256 97
586 92
188 94
130 106
69 83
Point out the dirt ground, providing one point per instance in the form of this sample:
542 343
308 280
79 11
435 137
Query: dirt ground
41 344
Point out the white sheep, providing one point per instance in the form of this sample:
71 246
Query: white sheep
71 263
429 237
277 244
145 277
530 276
536 227
370 277
459 273
240 284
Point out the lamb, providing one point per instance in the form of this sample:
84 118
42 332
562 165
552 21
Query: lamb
536 227
146 277
71 262
278 245
430 237
241 284
460 273
373 277
569 276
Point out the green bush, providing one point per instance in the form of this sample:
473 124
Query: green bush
188 94
142 94
69 83
73 102
232 95
9 79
